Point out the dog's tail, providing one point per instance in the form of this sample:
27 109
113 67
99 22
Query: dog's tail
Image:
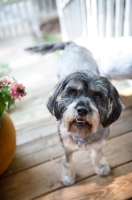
48 48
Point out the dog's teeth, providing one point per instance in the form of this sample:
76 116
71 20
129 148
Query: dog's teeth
80 121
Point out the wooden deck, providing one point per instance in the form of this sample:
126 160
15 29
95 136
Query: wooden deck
35 170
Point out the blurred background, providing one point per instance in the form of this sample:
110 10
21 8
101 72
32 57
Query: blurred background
25 23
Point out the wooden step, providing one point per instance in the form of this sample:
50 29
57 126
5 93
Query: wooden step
45 178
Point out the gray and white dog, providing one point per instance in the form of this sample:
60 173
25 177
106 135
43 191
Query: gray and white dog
84 103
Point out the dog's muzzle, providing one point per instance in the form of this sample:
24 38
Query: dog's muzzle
81 118
80 125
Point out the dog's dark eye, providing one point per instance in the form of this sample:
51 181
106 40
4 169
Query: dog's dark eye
97 97
73 92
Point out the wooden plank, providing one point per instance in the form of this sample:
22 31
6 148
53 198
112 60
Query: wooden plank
117 186
41 150
123 124
45 178
35 130
127 101
127 92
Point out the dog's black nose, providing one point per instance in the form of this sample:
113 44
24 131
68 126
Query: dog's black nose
82 111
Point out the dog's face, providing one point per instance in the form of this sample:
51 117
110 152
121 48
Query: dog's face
83 101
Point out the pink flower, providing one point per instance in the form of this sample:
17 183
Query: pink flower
17 90
6 80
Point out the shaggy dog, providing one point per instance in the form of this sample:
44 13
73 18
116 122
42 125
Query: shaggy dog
84 103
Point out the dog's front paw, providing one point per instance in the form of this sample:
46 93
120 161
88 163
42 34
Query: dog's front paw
68 180
68 176
102 170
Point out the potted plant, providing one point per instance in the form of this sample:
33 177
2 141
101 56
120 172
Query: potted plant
10 90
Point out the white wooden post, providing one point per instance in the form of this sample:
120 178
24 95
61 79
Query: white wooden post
128 18
101 18
60 7
119 8
89 17
109 18
83 17
94 18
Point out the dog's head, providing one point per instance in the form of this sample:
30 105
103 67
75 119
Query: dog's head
83 101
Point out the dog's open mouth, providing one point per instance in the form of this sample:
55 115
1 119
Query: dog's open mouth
80 120
80 126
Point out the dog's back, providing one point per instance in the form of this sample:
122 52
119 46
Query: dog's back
73 58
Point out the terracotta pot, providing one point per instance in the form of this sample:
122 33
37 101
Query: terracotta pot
7 142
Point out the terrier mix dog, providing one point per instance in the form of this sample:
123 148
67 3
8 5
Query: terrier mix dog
84 103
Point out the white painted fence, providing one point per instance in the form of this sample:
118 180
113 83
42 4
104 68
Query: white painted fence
22 16
95 18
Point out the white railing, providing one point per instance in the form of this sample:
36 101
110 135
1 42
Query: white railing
95 18
22 16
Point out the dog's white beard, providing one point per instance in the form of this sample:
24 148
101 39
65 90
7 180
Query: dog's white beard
90 122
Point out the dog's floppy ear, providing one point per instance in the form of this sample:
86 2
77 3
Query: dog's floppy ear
115 106
52 103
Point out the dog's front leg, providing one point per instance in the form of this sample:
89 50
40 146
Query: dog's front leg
101 166
68 173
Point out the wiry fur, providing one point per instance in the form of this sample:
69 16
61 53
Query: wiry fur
101 105
85 104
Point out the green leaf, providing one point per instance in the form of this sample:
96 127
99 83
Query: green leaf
2 108
10 102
